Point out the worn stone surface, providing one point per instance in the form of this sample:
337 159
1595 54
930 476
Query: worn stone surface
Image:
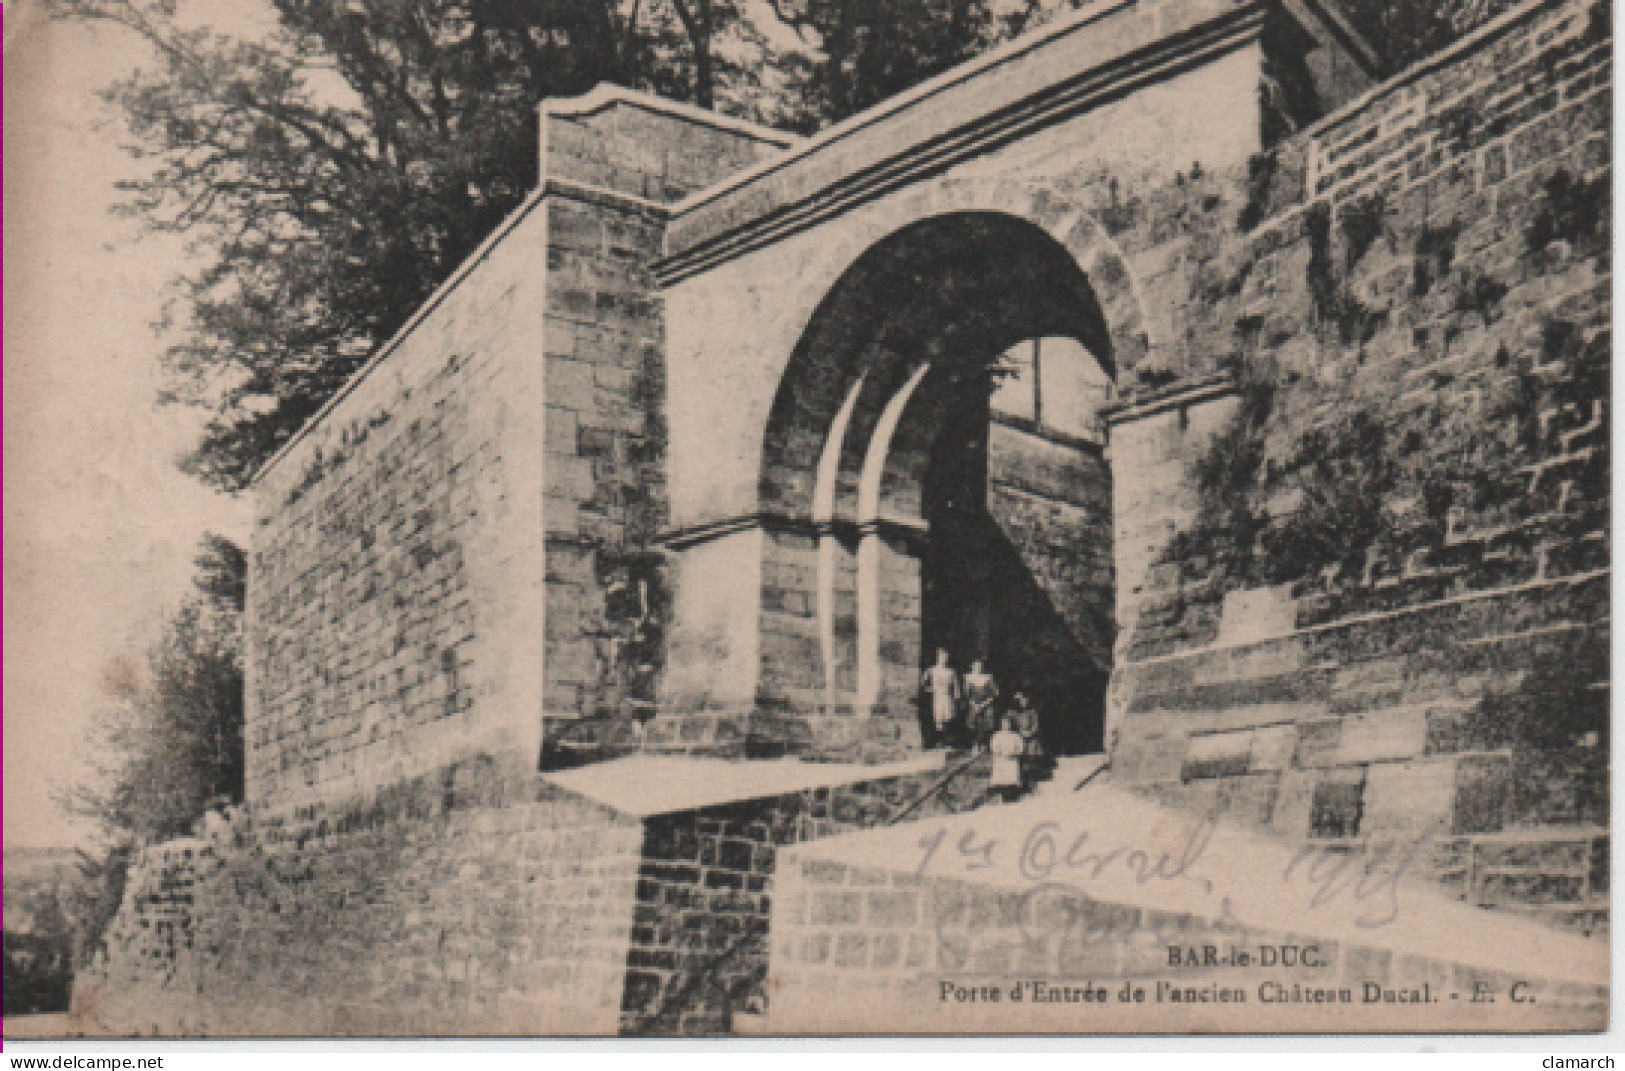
696 454
1386 673
1091 890
608 597
394 587
455 905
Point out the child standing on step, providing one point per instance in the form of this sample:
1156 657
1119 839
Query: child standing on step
1026 723
1007 747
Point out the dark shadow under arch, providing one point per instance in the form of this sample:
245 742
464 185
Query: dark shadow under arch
893 376
970 283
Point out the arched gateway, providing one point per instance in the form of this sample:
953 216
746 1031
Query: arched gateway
913 490
839 393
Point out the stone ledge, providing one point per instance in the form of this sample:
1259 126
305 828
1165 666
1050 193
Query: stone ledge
645 785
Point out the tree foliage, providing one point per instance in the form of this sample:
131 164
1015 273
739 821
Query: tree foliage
173 731
1405 31
39 956
862 52
92 896
331 174
170 740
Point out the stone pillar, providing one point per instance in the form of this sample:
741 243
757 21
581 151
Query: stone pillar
837 619
869 552
611 163
888 618
1152 445
791 675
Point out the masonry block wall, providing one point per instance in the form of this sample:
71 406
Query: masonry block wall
395 575
474 512
698 957
863 947
1392 621
1052 625
451 904
611 162
604 498
471 901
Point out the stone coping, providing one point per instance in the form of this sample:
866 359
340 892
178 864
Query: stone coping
1214 870
608 95
645 785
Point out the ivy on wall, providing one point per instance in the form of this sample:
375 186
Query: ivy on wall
1402 431
1317 468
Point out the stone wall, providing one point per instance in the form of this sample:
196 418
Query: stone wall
935 932
1052 628
1376 605
611 162
452 905
459 544
604 452
471 901
700 940
395 574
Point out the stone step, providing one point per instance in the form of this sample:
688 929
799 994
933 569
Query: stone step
1069 774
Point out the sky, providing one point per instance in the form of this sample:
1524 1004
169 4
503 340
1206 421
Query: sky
100 527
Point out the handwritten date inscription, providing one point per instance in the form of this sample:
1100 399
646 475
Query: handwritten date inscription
1050 858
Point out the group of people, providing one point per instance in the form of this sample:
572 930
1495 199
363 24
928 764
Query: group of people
965 711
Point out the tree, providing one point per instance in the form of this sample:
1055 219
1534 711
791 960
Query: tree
171 740
332 174
860 52
38 955
173 730
93 893
1405 31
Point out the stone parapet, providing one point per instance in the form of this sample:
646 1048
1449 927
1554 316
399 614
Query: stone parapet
1420 675
1094 912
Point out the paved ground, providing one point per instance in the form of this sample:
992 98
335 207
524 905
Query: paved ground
660 784
35 1027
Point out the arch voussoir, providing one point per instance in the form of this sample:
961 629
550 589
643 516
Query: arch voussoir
1082 234
1060 214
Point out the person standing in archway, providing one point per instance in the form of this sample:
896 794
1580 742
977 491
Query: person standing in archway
941 683
981 695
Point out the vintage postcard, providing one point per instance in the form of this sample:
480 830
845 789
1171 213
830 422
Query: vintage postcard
785 517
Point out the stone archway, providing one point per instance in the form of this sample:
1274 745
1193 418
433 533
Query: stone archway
897 514
837 247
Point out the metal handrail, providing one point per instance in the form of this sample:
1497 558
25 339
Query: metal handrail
936 786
